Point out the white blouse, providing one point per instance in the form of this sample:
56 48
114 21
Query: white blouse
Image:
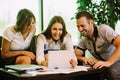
16 39
44 45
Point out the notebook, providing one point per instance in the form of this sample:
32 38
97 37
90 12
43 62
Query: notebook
60 59
24 67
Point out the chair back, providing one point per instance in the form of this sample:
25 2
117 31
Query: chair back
1 60
0 45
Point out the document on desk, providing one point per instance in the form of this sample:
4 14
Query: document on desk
59 71
24 67
68 71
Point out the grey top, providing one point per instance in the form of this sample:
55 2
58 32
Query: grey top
104 39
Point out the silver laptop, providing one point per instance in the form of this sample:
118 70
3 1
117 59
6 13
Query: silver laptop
60 59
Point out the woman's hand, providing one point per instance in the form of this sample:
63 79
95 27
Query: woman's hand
73 63
44 63
30 54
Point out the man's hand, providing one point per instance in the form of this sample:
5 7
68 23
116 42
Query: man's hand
88 60
101 64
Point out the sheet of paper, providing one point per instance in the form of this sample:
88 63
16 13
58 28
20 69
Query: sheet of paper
59 71
67 71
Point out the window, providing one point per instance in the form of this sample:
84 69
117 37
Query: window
10 8
65 9
117 28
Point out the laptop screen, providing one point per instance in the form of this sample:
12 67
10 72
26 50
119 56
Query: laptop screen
60 59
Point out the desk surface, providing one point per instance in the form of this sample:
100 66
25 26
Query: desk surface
84 75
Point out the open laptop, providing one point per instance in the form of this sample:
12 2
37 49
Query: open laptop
24 67
60 59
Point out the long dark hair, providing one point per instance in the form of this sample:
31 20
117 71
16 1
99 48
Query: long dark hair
55 19
24 18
